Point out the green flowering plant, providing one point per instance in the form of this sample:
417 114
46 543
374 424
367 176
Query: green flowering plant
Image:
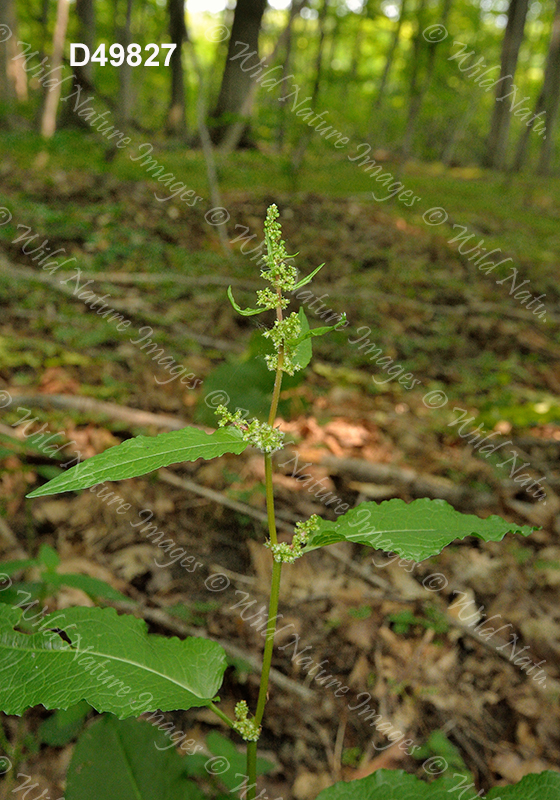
171 674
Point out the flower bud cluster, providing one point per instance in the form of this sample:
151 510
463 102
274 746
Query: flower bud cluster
247 728
287 553
281 275
282 333
259 434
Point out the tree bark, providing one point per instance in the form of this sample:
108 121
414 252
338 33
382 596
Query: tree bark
13 77
298 155
551 90
125 70
83 76
496 147
176 121
48 121
390 58
418 90
236 78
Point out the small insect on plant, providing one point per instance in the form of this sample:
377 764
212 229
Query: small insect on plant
110 661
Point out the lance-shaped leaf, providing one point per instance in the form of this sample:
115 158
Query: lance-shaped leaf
109 660
398 785
308 279
145 454
414 530
246 312
319 331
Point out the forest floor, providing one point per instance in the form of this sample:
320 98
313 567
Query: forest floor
467 342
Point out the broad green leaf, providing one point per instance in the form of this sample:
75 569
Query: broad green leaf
127 760
63 726
308 279
10 567
112 663
414 530
48 557
304 351
91 586
544 786
145 454
246 312
398 785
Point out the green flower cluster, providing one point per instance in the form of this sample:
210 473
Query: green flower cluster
247 728
259 434
281 275
287 553
282 333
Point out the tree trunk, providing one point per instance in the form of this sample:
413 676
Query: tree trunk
390 58
496 147
13 77
236 79
125 70
48 121
418 90
288 31
551 89
298 155
83 76
176 121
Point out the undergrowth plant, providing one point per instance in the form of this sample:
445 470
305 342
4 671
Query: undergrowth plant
108 660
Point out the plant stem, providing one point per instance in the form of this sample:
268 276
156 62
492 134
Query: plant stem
276 390
221 715
274 591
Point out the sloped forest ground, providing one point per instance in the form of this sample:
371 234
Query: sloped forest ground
386 630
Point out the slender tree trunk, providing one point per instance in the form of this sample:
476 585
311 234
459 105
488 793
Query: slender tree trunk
83 76
298 155
236 79
176 121
287 60
551 90
13 77
125 70
235 132
390 58
419 90
496 147
48 121
459 131
356 50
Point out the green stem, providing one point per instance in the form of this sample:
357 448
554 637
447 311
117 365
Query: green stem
274 591
270 498
269 644
277 387
221 715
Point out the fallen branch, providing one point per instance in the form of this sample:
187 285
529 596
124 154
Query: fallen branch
19 273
